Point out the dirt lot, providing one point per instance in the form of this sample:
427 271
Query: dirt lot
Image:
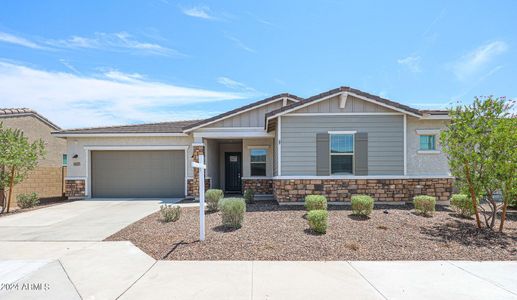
272 232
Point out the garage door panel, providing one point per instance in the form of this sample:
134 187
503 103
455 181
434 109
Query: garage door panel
138 173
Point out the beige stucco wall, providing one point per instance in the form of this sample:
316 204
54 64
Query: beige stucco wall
47 178
35 129
424 164
76 145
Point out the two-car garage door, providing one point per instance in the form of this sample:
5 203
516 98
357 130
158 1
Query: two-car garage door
140 173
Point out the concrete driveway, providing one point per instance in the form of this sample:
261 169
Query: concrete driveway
85 220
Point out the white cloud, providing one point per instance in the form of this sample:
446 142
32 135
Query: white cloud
20 41
412 62
202 12
233 84
473 62
114 97
240 44
119 41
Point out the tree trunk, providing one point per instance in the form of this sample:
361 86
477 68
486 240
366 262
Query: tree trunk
2 200
472 194
506 200
11 184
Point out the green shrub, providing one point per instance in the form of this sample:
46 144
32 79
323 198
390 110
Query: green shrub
318 220
424 204
249 196
462 204
27 200
362 205
212 198
313 202
232 211
170 213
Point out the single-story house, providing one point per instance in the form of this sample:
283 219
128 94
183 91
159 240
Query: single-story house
47 179
338 143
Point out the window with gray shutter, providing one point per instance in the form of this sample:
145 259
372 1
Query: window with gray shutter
322 154
361 153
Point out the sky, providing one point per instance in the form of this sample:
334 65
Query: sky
100 63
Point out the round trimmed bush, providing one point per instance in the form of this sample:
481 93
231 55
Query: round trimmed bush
170 213
212 198
462 204
27 200
249 196
424 204
313 202
232 211
318 220
362 205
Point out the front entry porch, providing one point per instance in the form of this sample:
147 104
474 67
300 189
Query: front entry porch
236 164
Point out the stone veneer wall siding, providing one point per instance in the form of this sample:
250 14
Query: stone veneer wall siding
259 186
193 187
75 188
294 190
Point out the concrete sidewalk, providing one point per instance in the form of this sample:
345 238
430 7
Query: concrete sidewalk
119 270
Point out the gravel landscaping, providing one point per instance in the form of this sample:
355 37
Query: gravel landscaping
272 232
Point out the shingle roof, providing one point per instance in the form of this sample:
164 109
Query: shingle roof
163 127
234 111
345 89
18 112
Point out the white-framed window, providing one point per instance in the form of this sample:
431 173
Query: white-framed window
258 161
342 153
427 142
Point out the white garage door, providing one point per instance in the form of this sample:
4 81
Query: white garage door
138 174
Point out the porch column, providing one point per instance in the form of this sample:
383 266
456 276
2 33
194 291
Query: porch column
193 184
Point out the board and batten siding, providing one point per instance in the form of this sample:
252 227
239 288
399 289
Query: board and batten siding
353 105
385 142
251 118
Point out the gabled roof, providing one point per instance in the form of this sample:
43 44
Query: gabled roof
163 127
345 89
241 110
20 112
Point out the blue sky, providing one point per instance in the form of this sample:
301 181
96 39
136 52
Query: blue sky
95 63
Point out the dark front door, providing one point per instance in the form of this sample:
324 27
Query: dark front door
232 170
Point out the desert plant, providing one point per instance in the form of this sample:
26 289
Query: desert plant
249 196
170 213
463 205
318 220
27 200
18 156
424 204
362 205
313 202
232 211
212 197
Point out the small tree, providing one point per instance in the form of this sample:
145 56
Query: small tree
17 157
505 162
479 155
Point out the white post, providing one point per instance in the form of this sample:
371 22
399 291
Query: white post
201 198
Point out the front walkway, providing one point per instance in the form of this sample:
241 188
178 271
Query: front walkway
59 255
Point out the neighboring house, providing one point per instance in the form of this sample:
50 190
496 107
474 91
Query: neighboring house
47 180
338 143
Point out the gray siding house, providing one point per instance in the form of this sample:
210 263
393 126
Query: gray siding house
338 143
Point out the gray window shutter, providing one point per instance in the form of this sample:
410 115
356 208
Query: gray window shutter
361 153
322 154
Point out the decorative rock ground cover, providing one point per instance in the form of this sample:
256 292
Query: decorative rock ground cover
272 232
